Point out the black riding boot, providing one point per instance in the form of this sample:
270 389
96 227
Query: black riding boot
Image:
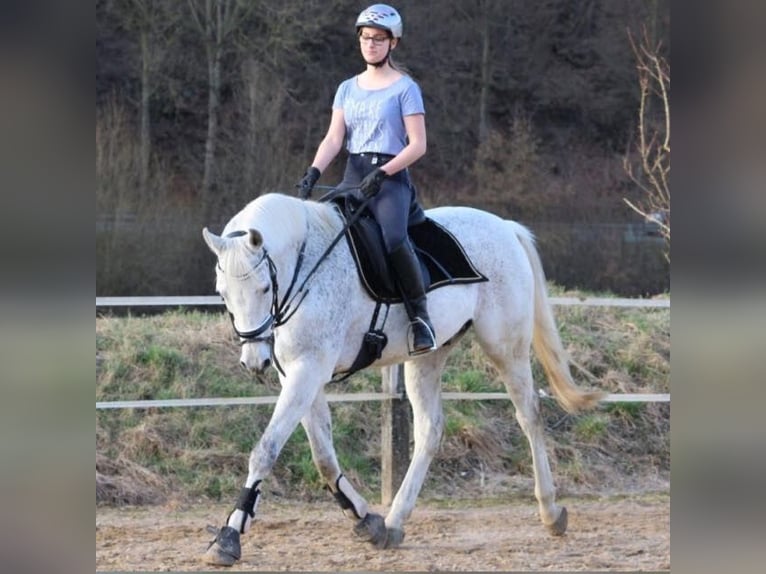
407 269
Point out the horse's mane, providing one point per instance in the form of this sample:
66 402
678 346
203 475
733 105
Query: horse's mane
282 219
324 217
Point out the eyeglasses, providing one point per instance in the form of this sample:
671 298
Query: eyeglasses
376 40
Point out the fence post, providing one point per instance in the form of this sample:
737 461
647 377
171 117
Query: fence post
395 434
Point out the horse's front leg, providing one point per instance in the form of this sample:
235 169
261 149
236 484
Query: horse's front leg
318 424
299 388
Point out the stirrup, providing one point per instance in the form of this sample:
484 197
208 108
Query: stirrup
411 347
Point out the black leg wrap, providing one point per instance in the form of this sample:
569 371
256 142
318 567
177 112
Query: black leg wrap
246 503
342 499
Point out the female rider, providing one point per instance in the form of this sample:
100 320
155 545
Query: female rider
380 115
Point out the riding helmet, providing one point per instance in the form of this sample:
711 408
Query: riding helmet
381 16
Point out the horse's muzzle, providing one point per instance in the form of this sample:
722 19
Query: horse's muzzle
255 357
258 367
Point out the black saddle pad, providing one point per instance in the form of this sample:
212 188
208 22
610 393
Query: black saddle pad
442 259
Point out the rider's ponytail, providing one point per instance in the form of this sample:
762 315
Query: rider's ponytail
397 66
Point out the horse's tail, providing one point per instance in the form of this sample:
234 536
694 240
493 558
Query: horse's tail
546 341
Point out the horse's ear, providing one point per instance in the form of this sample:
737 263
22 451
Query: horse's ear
214 242
256 239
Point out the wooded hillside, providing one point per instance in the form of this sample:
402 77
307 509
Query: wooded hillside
203 104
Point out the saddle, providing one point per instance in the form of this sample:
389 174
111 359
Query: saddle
442 262
442 259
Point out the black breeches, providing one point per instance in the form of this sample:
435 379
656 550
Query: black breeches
395 202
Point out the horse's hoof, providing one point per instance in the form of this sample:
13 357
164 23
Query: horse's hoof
394 537
372 529
225 550
559 527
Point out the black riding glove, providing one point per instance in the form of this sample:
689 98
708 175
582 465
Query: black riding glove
371 184
306 185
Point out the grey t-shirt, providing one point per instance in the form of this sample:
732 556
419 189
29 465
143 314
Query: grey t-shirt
375 118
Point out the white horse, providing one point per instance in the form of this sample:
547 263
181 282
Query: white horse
265 254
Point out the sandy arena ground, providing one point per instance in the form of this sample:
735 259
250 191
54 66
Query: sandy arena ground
618 533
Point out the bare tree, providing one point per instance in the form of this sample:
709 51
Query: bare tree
486 71
266 150
653 147
151 20
216 21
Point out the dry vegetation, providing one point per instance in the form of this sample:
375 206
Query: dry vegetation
174 455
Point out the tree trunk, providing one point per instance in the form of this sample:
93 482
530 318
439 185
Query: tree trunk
213 38
485 77
252 117
213 108
146 91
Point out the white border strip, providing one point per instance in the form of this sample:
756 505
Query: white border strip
215 402
610 302
349 398
159 301
214 300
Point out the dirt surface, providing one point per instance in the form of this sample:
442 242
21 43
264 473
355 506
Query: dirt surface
618 533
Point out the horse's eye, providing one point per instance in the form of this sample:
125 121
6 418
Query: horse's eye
266 289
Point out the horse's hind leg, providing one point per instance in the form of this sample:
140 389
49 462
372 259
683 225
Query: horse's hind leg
422 381
318 425
517 376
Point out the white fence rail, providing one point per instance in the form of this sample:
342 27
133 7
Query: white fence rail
351 398
214 300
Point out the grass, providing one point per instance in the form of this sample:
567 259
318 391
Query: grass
152 455
591 427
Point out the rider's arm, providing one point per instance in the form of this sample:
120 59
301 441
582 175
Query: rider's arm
332 142
415 125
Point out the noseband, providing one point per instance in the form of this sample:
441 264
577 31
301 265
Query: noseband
279 311
254 335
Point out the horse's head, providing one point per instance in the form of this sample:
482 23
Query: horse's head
245 280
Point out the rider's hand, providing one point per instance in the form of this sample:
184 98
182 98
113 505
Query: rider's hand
306 185
371 184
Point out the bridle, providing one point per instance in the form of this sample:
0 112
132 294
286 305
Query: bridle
281 311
